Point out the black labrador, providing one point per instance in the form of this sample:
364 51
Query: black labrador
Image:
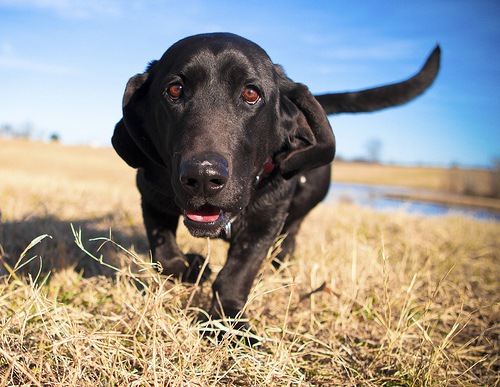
222 137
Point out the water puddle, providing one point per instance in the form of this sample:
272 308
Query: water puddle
375 196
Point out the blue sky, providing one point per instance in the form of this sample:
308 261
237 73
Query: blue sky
64 64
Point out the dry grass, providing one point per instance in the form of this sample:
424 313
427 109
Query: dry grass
402 300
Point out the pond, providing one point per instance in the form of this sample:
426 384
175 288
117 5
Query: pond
375 196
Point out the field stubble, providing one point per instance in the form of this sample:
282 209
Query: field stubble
369 299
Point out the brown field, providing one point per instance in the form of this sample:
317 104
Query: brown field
401 300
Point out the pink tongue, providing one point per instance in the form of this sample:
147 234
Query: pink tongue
205 214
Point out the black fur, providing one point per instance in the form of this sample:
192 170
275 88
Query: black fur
203 153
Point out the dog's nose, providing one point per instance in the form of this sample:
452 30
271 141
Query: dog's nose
204 176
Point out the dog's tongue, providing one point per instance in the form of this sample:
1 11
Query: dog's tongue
205 214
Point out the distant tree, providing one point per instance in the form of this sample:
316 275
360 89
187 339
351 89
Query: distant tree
6 129
25 130
54 137
22 131
373 147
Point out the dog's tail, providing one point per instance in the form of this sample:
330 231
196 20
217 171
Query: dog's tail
384 96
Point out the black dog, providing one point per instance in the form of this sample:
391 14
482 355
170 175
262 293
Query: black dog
222 137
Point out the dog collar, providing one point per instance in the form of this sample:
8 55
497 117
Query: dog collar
266 169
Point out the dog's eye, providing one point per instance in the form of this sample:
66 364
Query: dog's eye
250 95
175 91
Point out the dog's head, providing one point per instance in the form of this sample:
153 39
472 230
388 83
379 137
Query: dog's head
214 113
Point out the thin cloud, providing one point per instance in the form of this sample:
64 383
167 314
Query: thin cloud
77 9
14 63
381 51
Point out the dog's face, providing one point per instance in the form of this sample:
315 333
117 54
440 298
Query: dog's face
210 113
219 102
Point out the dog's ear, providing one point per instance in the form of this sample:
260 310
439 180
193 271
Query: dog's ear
126 147
122 141
309 142
131 138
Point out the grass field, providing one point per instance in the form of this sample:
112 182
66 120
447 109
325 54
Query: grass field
370 298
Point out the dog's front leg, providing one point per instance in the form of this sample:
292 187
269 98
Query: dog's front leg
252 237
161 231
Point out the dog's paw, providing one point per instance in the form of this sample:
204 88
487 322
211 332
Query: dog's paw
195 266
186 268
235 330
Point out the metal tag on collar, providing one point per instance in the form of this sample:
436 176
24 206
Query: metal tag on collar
228 227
